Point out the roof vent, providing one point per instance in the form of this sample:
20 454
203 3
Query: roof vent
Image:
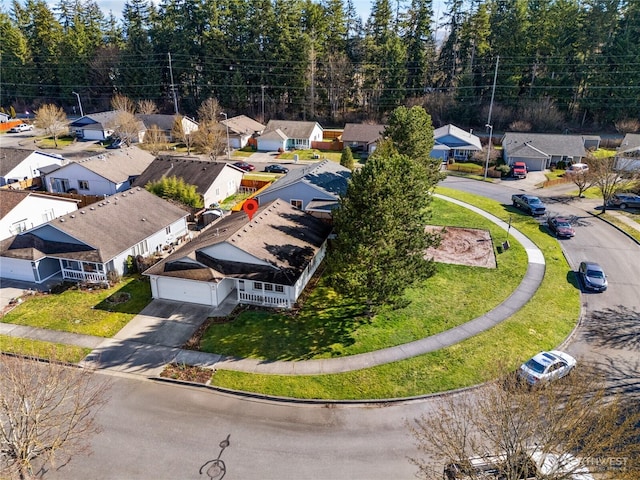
72 216
62 219
92 208
144 219
82 212
138 189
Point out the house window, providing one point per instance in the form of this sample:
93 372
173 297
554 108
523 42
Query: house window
19 226
83 184
92 267
297 204
140 249
168 230
279 288
257 286
268 286
48 215
241 285
71 265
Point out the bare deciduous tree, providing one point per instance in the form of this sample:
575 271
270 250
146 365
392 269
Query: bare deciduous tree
47 411
209 110
182 134
147 107
155 139
123 103
575 422
610 179
52 120
210 138
127 127
583 180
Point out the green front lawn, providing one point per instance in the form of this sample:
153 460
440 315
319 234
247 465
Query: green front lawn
543 323
40 349
329 325
87 312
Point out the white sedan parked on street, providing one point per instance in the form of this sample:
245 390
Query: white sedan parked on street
546 367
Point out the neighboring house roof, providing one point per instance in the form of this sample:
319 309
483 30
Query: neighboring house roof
101 118
276 134
329 177
10 158
362 133
630 143
463 139
243 125
292 129
10 199
194 172
542 145
117 166
278 244
101 230
163 122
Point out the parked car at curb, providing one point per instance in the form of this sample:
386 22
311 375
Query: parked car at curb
532 465
624 200
23 127
530 204
247 167
592 276
546 367
275 168
560 227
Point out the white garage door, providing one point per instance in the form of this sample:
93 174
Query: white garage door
16 269
184 291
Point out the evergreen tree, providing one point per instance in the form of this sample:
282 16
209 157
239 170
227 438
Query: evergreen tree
346 159
14 60
411 133
380 226
420 47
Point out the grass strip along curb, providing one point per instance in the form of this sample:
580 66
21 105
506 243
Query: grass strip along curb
543 323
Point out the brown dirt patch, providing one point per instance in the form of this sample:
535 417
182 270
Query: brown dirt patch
463 246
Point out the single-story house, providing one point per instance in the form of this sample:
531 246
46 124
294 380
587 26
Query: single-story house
214 181
266 261
19 164
165 124
628 155
461 144
96 126
315 188
87 244
289 135
104 174
362 137
241 129
539 150
4 118
23 210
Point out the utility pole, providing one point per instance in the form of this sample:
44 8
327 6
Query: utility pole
493 90
173 88
79 103
262 88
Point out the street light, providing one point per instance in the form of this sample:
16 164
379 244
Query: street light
227 125
486 166
79 103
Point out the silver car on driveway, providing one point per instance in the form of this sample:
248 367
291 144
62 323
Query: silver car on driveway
546 367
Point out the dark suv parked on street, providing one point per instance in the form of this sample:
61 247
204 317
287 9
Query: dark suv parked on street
625 200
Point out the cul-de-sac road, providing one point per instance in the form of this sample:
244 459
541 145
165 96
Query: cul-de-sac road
164 431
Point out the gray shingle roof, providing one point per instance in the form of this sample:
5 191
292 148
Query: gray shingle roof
631 142
292 129
362 133
194 172
243 125
105 229
541 145
281 238
10 158
118 165
331 177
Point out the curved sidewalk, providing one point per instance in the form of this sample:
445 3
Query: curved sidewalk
135 350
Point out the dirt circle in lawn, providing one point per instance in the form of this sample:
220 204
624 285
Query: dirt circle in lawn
463 246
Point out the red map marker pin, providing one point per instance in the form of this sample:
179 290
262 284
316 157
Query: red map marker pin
250 206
